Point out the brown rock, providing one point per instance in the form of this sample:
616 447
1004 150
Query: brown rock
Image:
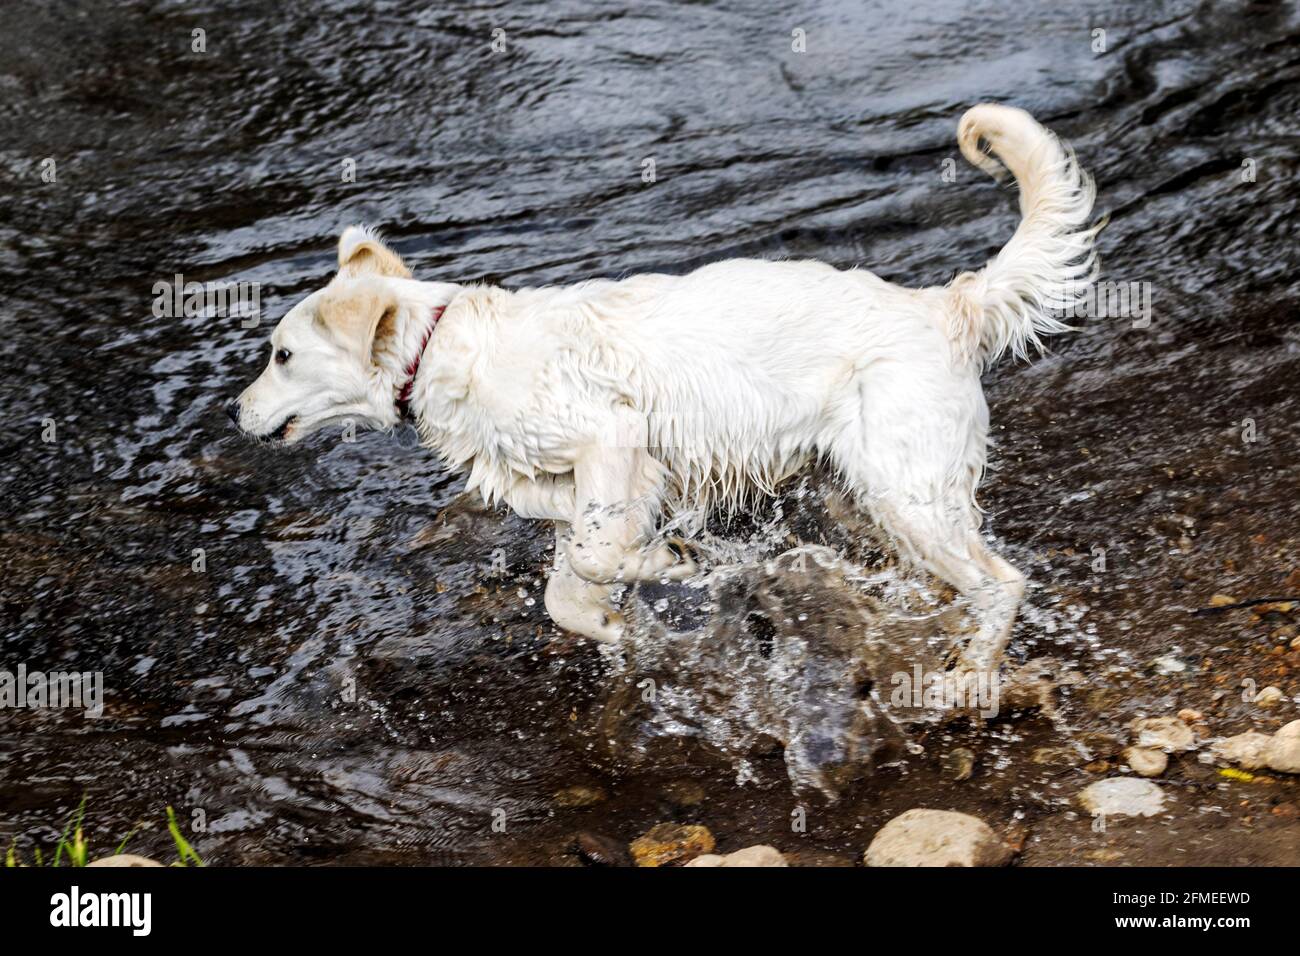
817 858
670 843
580 795
597 850
684 793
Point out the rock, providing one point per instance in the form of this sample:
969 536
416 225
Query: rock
597 850
1275 607
1104 855
1163 733
959 764
817 858
1222 600
1056 756
1246 750
1283 752
580 795
1189 716
1101 745
684 793
1169 665
670 843
1122 797
1146 761
1269 697
750 856
124 859
936 838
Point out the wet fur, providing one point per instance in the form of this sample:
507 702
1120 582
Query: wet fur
606 405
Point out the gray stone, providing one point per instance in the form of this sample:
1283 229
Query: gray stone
936 838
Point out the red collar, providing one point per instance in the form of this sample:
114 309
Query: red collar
404 396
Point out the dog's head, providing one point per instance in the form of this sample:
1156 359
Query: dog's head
338 354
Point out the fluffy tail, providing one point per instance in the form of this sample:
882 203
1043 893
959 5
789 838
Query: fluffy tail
1046 268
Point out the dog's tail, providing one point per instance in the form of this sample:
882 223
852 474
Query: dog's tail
1046 268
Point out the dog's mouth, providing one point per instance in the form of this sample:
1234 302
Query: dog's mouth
280 433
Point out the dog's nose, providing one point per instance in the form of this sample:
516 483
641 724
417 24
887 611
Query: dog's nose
232 409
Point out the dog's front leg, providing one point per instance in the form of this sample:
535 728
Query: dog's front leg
579 606
619 493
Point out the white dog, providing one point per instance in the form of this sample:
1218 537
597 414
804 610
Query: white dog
603 405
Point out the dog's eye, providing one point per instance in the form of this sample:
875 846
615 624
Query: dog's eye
281 356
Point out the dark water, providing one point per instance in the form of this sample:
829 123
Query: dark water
229 690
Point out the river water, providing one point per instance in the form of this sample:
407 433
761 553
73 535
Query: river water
313 654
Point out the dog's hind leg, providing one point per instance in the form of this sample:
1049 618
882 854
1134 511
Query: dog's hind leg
959 556
913 461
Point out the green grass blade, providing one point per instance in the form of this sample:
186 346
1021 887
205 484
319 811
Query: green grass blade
122 846
63 843
183 848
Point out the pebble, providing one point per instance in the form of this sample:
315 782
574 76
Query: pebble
1163 733
580 796
1146 761
1168 665
1122 796
1269 697
750 856
670 843
597 850
817 858
1055 756
1283 752
1246 750
936 838
684 793
124 859
959 764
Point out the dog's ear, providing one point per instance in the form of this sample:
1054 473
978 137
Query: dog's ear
363 320
362 253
